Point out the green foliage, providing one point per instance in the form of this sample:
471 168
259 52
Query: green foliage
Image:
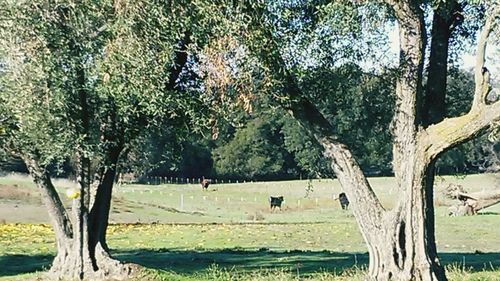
120 55
255 152
360 105
87 76
305 151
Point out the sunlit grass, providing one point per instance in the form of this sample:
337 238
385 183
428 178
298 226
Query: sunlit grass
213 236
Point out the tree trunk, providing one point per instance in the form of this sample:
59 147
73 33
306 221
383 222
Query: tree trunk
58 216
99 214
82 252
434 107
398 240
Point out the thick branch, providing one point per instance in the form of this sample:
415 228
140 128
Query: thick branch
481 74
446 17
344 165
365 204
453 131
57 213
99 214
408 88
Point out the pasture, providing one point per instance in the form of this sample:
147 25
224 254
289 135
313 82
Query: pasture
228 232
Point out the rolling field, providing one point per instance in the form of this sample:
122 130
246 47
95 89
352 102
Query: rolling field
180 232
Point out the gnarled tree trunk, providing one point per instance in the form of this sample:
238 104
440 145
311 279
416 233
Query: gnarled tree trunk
401 242
82 253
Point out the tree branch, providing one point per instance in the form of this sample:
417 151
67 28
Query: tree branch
450 132
57 213
446 17
179 62
481 74
366 206
408 87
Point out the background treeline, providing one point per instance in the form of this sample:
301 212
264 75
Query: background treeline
267 144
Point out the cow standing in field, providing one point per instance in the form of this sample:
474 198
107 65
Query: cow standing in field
205 183
275 202
344 202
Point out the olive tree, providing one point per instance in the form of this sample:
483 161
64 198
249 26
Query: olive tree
81 81
400 241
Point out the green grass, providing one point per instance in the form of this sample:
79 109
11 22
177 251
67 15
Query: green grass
228 232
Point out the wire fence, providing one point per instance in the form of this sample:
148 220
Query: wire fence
151 180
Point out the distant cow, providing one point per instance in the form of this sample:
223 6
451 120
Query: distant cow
205 183
276 202
344 202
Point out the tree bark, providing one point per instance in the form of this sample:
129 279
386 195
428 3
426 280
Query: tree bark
400 241
82 253
99 215
58 216
445 18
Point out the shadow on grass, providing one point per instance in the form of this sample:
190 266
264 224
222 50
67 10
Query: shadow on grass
194 261
191 261
18 264
488 213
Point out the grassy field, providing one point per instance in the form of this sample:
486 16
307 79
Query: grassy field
228 232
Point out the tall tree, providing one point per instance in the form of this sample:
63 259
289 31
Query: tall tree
400 241
82 81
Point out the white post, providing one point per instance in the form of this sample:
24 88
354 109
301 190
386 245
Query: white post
182 201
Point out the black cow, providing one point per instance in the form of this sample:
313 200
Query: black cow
276 202
205 183
344 202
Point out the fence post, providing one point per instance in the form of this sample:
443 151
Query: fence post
182 201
